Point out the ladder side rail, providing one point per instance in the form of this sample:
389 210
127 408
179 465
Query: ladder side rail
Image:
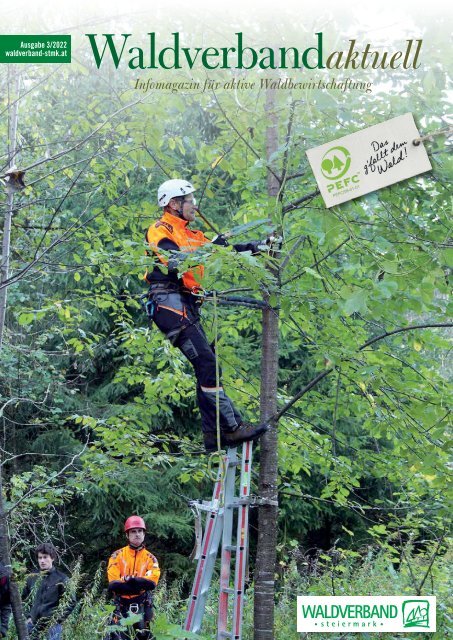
205 565
242 540
225 561
200 593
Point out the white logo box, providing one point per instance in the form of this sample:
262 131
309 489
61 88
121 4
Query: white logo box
375 157
366 614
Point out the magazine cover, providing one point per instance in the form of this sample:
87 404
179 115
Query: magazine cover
224 320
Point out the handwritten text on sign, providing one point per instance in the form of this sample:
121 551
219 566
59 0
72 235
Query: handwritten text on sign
368 160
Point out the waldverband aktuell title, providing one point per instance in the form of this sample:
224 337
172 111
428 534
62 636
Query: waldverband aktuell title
119 49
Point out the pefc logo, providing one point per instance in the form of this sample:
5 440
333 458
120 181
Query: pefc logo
335 163
415 613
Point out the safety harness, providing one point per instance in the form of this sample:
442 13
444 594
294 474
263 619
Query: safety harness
142 605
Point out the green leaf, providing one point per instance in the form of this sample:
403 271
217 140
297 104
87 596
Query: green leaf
26 318
356 303
386 288
313 273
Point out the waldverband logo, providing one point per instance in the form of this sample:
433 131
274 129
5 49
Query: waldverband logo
365 614
335 163
415 613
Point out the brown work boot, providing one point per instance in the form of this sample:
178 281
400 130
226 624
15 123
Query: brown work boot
243 433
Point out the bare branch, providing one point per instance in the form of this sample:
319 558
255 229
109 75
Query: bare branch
215 165
35 86
295 203
318 262
73 228
16 400
80 143
323 374
58 208
433 557
292 111
292 251
298 174
244 140
75 457
410 328
159 164
301 393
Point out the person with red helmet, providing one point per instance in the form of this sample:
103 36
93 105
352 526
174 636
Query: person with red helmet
133 573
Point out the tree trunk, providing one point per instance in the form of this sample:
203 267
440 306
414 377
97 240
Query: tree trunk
267 516
5 554
12 136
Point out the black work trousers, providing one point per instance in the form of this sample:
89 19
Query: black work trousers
140 630
177 315
131 634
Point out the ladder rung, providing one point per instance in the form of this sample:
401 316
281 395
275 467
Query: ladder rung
230 547
208 507
227 590
242 502
211 552
226 634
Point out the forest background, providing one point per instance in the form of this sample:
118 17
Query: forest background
98 412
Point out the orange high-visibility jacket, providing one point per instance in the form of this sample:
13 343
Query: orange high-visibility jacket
137 563
176 230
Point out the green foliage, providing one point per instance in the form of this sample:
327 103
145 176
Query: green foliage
335 572
371 572
83 379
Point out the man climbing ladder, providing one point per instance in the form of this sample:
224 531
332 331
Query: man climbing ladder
175 308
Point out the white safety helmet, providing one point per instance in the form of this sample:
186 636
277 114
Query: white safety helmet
173 189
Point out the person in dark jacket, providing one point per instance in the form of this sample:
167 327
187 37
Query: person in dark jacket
5 599
42 594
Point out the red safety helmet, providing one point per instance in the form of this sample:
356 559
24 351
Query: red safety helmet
134 522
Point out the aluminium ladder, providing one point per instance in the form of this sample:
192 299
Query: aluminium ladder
220 513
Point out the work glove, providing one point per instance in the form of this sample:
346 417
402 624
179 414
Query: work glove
271 243
144 583
274 242
220 240
258 246
255 246
121 587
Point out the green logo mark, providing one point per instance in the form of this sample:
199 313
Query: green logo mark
335 163
415 613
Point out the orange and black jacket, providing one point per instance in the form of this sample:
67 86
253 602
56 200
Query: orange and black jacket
131 572
171 233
